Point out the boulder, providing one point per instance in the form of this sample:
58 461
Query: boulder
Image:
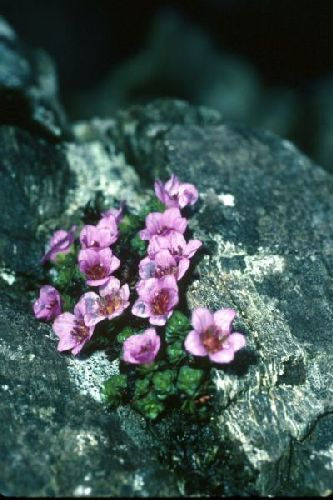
57 440
265 220
28 88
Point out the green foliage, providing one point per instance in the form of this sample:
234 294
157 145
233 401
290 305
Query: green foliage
68 302
189 380
141 388
138 246
67 277
124 334
153 205
164 384
175 352
144 370
177 327
114 388
129 225
150 407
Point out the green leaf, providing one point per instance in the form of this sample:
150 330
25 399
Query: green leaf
124 334
150 407
147 369
189 380
138 245
129 225
164 383
175 352
153 205
114 388
177 327
141 388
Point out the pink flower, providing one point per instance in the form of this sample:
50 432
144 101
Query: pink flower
96 237
157 298
176 244
72 329
212 335
163 264
60 242
117 213
141 349
175 194
163 224
97 265
111 302
48 305
109 223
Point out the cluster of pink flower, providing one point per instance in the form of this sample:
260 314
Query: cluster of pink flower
168 258
166 263
97 263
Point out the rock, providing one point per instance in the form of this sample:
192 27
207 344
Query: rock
265 220
34 179
264 217
28 88
55 439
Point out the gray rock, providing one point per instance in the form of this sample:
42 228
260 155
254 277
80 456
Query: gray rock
34 179
265 219
56 440
28 88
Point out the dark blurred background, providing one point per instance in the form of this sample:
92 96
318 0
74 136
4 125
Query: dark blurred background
265 63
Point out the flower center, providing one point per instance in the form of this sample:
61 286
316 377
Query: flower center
163 230
160 302
163 271
51 304
212 339
96 272
109 304
145 348
80 331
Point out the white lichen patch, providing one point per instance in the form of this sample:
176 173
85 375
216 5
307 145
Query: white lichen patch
226 248
98 169
258 266
85 440
138 482
8 276
228 200
89 374
82 491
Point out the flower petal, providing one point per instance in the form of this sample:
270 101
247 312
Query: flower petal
237 341
159 320
146 268
188 195
182 267
63 324
202 319
191 248
159 190
224 318
194 345
111 286
223 356
157 243
140 309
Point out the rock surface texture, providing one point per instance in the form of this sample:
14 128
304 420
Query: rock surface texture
265 217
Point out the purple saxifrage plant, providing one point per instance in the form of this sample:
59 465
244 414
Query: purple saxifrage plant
48 305
141 349
212 335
